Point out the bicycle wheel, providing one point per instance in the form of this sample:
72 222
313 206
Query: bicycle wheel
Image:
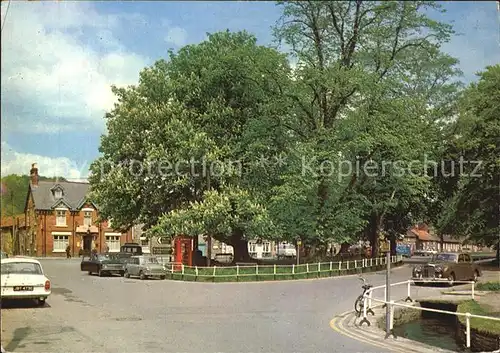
358 304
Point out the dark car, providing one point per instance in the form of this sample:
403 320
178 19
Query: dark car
104 264
447 267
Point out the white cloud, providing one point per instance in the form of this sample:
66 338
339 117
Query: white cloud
53 79
176 36
20 163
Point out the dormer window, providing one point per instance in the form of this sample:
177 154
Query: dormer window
58 194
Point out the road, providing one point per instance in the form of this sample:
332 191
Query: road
93 314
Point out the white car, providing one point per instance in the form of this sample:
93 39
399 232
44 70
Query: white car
23 278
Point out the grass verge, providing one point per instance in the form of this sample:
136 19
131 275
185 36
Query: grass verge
250 274
491 286
481 325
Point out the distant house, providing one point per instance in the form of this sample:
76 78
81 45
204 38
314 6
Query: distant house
58 214
421 238
13 235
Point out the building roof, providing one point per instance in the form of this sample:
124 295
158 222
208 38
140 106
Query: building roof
424 235
74 194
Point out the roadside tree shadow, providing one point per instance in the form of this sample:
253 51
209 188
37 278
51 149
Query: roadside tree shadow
19 335
21 304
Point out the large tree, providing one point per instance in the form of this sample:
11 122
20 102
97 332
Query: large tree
208 106
370 85
471 204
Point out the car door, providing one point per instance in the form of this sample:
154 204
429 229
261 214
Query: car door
133 266
84 266
461 272
94 263
468 267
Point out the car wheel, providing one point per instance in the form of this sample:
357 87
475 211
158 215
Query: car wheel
141 275
476 276
90 273
126 274
451 279
41 302
162 277
100 273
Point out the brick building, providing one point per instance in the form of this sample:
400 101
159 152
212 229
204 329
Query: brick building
58 214
13 235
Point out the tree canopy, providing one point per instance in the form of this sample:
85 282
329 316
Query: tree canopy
226 138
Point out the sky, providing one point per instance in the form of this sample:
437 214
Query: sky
59 60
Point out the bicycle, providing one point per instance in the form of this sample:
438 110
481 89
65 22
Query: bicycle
360 301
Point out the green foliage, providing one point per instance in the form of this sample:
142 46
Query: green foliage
369 103
371 86
222 213
493 286
472 199
15 191
210 102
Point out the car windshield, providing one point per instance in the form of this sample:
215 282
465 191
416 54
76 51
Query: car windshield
21 268
106 257
445 257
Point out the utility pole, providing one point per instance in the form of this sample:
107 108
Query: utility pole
209 236
388 330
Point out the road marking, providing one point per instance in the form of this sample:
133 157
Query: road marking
338 329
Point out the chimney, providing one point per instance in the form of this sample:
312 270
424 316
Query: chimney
34 175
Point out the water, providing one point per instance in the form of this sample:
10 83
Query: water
437 331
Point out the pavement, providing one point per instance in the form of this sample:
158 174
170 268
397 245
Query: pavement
113 314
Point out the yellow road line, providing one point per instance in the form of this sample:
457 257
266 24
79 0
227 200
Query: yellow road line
340 329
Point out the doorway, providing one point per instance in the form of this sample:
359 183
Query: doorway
87 243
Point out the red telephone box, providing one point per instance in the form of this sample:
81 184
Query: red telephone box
183 250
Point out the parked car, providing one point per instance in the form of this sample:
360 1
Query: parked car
144 266
23 278
104 264
132 248
447 267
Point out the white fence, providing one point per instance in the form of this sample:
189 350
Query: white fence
368 299
275 272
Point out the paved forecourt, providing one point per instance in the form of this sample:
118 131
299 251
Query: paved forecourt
113 314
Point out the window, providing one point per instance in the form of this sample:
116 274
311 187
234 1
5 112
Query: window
60 218
467 258
251 247
60 243
21 268
144 242
87 218
113 242
58 193
266 247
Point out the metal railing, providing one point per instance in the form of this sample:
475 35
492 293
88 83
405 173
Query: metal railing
368 299
321 269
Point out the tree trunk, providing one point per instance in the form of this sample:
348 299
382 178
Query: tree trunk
344 247
240 247
373 234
